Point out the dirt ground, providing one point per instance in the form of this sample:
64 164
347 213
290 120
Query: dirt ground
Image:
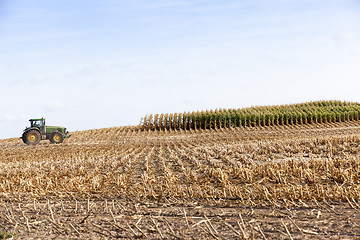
115 218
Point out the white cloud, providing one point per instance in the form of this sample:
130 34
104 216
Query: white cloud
7 118
346 39
11 118
24 116
53 106
38 79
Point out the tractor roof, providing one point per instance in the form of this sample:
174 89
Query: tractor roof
36 119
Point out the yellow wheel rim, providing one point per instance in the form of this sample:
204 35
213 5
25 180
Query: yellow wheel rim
32 137
57 137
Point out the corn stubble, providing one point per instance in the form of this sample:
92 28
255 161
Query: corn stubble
317 162
290 181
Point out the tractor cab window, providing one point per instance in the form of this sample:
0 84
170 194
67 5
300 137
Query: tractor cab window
37 123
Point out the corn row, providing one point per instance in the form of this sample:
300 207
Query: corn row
303 113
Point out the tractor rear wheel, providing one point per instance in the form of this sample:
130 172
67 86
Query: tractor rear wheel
31 137
56 137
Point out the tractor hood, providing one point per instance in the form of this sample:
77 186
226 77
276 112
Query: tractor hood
50 129
55 127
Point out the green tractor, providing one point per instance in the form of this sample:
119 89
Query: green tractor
39 131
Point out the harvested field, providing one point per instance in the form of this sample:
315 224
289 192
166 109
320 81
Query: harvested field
264 182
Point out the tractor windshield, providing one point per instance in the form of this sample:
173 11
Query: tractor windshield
37 123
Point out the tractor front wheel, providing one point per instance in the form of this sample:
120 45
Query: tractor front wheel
31 137
56 137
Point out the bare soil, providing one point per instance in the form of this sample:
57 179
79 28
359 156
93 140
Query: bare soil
110 219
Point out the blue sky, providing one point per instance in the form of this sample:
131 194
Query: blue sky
94 64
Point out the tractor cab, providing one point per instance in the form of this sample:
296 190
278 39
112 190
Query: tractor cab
38 123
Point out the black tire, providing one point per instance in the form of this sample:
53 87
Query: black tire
56 137
31 137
